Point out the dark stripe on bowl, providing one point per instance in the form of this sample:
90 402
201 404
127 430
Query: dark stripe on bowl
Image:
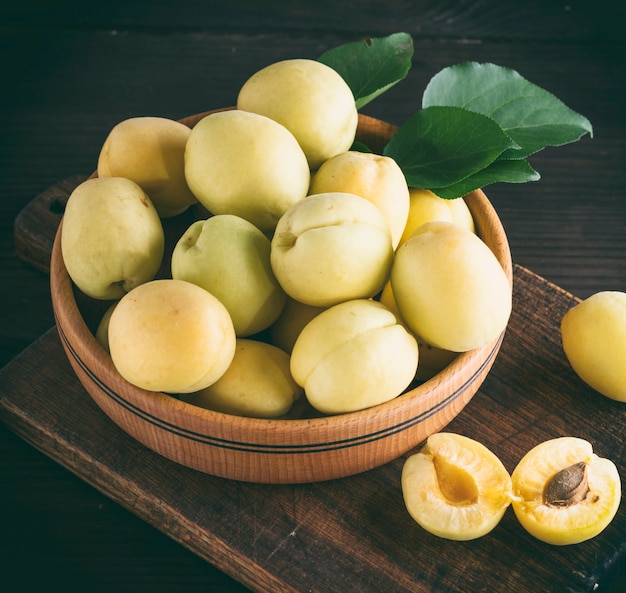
268 448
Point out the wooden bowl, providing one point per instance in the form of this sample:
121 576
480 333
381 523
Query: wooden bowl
276 451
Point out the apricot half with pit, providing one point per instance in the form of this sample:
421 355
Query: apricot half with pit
455 487
564 493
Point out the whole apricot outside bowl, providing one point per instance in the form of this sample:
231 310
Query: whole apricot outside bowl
281 450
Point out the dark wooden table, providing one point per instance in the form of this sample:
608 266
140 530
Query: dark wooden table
70 71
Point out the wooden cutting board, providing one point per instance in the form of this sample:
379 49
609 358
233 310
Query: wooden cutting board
352 534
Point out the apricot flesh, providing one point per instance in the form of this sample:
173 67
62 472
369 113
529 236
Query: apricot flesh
576 515
455 487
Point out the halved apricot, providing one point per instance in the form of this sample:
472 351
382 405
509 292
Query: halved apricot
455 487
564 493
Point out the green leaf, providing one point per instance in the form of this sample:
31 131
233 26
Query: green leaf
440 146
371 66
360 147
530 115
509 171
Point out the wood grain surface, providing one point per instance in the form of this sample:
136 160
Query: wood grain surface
351 534
71 70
